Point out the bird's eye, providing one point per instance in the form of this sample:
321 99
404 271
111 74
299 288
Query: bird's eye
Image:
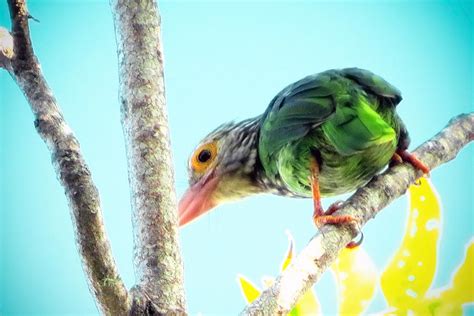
203 157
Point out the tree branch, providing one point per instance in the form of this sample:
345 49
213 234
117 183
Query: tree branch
324 247
71 169
158 263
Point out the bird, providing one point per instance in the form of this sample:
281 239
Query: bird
324 135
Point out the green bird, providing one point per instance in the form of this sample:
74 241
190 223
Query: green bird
324 135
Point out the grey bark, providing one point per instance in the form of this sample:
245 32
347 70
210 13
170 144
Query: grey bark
366 202
71 169
158 263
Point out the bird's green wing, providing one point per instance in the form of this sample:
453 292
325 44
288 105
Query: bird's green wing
358 127
386 97
347 99
294 112
374 85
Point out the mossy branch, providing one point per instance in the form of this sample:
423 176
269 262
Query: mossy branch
364 204
71 169
158 264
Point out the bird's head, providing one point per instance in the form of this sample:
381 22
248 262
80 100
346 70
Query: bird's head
221 169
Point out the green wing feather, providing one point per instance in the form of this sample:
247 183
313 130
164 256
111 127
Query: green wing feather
293 113
344 103
356 128
374 85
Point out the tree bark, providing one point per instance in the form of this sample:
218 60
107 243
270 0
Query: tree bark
324 247
71 169
158 263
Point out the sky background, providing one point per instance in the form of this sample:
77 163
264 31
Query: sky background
223 61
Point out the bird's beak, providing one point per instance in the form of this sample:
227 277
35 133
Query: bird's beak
198 199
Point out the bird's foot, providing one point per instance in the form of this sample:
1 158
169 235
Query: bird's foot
404 156
322 218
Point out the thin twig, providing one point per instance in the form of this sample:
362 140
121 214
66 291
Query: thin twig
158 263
98 263
325 246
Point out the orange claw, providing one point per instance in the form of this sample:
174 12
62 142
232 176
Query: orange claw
411 159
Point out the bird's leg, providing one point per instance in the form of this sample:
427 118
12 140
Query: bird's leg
321 217
318 209
401 156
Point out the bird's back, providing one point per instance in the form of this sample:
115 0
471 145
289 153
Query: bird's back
343 118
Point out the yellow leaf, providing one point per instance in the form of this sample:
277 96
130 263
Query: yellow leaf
462 284
249 291
461 290
290 252
356 278
410 273
393 312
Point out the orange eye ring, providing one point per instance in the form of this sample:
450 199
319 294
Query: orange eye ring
203 157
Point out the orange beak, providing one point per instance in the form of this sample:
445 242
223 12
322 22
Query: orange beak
197 200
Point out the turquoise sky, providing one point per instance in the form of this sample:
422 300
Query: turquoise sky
223 61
